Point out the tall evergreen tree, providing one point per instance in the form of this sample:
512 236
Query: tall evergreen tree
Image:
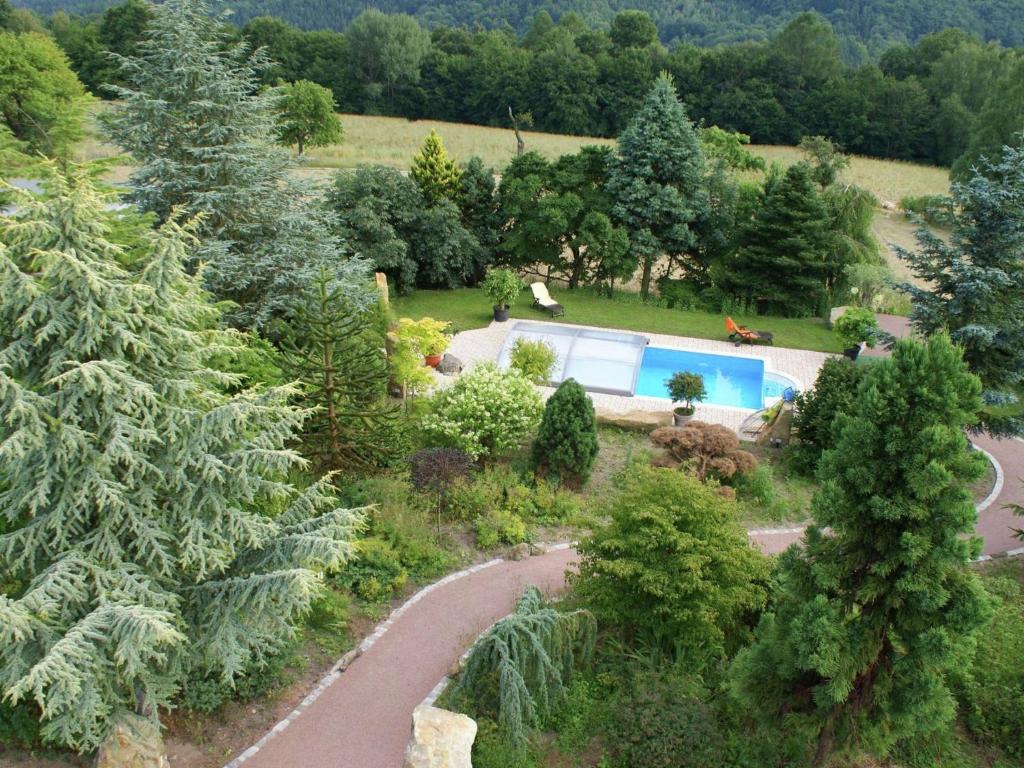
870 615
657 179
336 350
201 131
436 173
782 263
147 513
973 285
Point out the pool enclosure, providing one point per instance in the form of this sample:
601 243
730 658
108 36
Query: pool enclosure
601 361
619 363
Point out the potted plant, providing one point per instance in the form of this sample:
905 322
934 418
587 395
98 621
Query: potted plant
502 286
427 336
686 387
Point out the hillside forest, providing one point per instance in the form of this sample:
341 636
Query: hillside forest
947 99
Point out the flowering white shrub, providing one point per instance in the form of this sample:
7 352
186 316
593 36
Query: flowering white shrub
485 412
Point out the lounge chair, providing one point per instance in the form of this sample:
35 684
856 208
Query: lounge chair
740 333
542 300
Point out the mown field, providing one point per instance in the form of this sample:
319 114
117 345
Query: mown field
393 141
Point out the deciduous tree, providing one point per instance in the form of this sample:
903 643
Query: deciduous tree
305 116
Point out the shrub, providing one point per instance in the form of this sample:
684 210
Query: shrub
712 450
935 209
756 486
328 619
855 325
502 286
492 749
377 571
685 386
208 693
437 470
673 567
499 526
501 488
427 336
566 443
816 409
402 518
991 691
535 360
485 413
660 723
19 724
518 671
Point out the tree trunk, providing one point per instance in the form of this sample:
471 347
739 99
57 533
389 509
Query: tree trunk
302 145
332 411
645 282
520 144
825 738
577 268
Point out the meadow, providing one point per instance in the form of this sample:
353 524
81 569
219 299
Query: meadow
393 141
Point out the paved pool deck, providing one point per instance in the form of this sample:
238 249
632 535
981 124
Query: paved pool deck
801 366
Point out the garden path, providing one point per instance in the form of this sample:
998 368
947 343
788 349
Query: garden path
362 718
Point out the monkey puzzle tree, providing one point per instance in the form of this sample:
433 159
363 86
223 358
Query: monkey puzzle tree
146 514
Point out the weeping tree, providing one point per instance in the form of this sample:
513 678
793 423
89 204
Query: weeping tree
521 668
146 514
335 349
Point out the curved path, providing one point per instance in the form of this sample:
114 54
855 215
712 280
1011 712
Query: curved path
361 718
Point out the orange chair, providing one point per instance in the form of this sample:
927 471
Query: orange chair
740 333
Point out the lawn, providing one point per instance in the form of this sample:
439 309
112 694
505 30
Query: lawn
468 308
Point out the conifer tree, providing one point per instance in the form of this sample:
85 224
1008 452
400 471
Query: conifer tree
657 179
201 131
874 610
566 442
336 350
782 262
136 496
438 176
973 285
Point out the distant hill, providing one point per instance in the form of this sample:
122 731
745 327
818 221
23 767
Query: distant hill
874 23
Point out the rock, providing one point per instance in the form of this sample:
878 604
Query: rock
835 314
440 739
889 205
519 552
449 365
135 742
645 421
536 549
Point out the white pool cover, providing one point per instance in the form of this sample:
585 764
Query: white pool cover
602 361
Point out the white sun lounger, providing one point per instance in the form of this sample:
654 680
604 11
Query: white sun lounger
542 300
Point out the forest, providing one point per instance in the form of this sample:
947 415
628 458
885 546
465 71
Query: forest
946 100
866 27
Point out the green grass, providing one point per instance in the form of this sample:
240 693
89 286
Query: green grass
469 308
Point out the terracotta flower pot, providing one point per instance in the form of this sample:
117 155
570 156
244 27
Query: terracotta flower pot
433 360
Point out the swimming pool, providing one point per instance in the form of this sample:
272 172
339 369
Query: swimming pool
623 364
734 381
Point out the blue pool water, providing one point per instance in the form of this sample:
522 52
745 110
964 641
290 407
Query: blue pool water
735 381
